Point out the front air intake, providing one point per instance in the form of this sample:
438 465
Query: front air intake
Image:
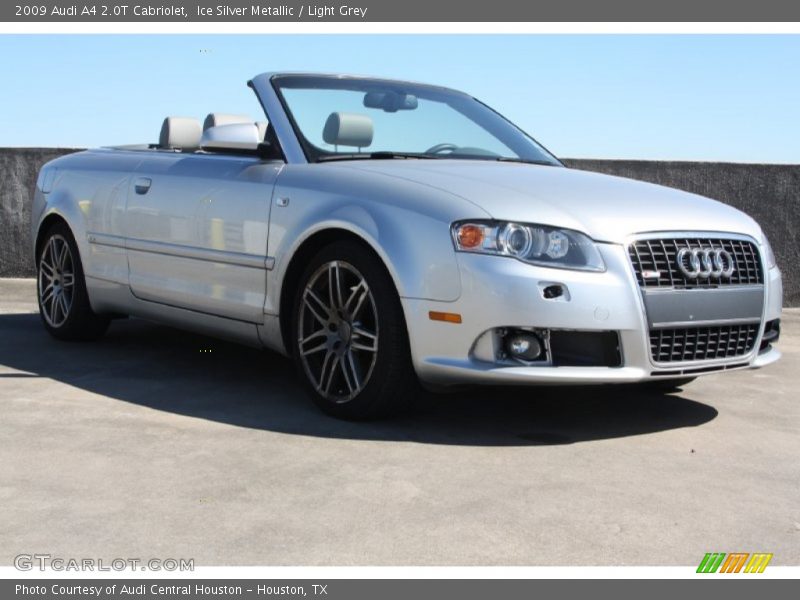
702 343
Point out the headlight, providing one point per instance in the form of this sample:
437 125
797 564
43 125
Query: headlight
771 262
535 244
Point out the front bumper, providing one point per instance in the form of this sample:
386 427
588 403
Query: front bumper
499 292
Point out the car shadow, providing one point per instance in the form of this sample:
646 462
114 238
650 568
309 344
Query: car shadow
170 370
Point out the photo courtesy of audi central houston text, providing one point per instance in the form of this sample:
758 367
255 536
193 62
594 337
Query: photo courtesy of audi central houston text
390 236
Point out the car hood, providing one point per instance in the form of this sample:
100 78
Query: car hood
605 207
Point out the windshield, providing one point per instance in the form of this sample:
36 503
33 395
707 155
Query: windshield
350 118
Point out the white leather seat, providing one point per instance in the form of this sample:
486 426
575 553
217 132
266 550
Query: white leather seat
180 133
348 129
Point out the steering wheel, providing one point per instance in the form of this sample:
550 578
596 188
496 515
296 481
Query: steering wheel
445 147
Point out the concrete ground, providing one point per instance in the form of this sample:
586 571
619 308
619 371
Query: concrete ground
158 443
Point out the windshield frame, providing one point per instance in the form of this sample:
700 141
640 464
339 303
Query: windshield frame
314 154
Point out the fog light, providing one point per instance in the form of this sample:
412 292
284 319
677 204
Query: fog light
524 345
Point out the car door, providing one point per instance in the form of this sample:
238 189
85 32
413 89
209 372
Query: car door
197 228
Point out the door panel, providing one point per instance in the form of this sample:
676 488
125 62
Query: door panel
197 232
101 185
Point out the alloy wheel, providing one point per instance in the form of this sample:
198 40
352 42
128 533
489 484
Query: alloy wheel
338 331
56 281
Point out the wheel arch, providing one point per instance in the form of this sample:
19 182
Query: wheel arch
304 252
61 204
46 224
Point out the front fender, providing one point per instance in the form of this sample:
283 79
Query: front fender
408 230
420 267
63 204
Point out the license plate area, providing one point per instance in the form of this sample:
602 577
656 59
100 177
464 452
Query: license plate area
698 307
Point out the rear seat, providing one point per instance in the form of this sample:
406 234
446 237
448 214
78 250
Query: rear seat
180 133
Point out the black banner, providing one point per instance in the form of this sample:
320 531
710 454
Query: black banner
48 11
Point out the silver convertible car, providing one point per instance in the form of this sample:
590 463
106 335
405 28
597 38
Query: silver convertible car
385 233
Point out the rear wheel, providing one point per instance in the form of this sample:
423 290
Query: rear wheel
61 289
349 336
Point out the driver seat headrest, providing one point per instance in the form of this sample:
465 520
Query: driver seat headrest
348 129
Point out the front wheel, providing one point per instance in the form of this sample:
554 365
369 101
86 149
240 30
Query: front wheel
61 289
349 337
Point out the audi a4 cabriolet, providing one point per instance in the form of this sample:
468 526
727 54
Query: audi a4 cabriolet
385 233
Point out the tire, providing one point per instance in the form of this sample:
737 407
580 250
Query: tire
61 289
668 385
351 347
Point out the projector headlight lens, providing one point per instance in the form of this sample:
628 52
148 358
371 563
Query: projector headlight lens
536 244
515 240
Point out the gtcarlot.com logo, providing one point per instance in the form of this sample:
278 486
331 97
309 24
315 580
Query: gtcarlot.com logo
42 562
735 562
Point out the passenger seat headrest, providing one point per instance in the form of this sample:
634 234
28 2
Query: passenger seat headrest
182 133
348 129
217 119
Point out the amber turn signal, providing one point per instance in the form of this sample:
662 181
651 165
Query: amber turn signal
444 316
470 236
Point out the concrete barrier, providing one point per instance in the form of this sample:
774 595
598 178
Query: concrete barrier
18 170
769 193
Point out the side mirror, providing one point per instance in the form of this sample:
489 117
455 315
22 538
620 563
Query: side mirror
236 137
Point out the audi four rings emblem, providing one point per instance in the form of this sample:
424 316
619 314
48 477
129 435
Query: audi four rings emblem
702 263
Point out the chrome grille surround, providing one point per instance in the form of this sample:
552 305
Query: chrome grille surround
659 255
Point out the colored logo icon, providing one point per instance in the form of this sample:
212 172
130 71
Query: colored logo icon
735 562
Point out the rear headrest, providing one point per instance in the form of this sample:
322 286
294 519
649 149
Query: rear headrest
217 119
180 132
348 129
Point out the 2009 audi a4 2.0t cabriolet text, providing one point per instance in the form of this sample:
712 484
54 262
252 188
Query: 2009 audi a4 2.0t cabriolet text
383 233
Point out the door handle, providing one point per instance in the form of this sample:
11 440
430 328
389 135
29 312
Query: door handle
142 185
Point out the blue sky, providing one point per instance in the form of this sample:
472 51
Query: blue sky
691 97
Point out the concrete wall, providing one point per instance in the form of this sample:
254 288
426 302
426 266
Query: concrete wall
769 193
18 170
